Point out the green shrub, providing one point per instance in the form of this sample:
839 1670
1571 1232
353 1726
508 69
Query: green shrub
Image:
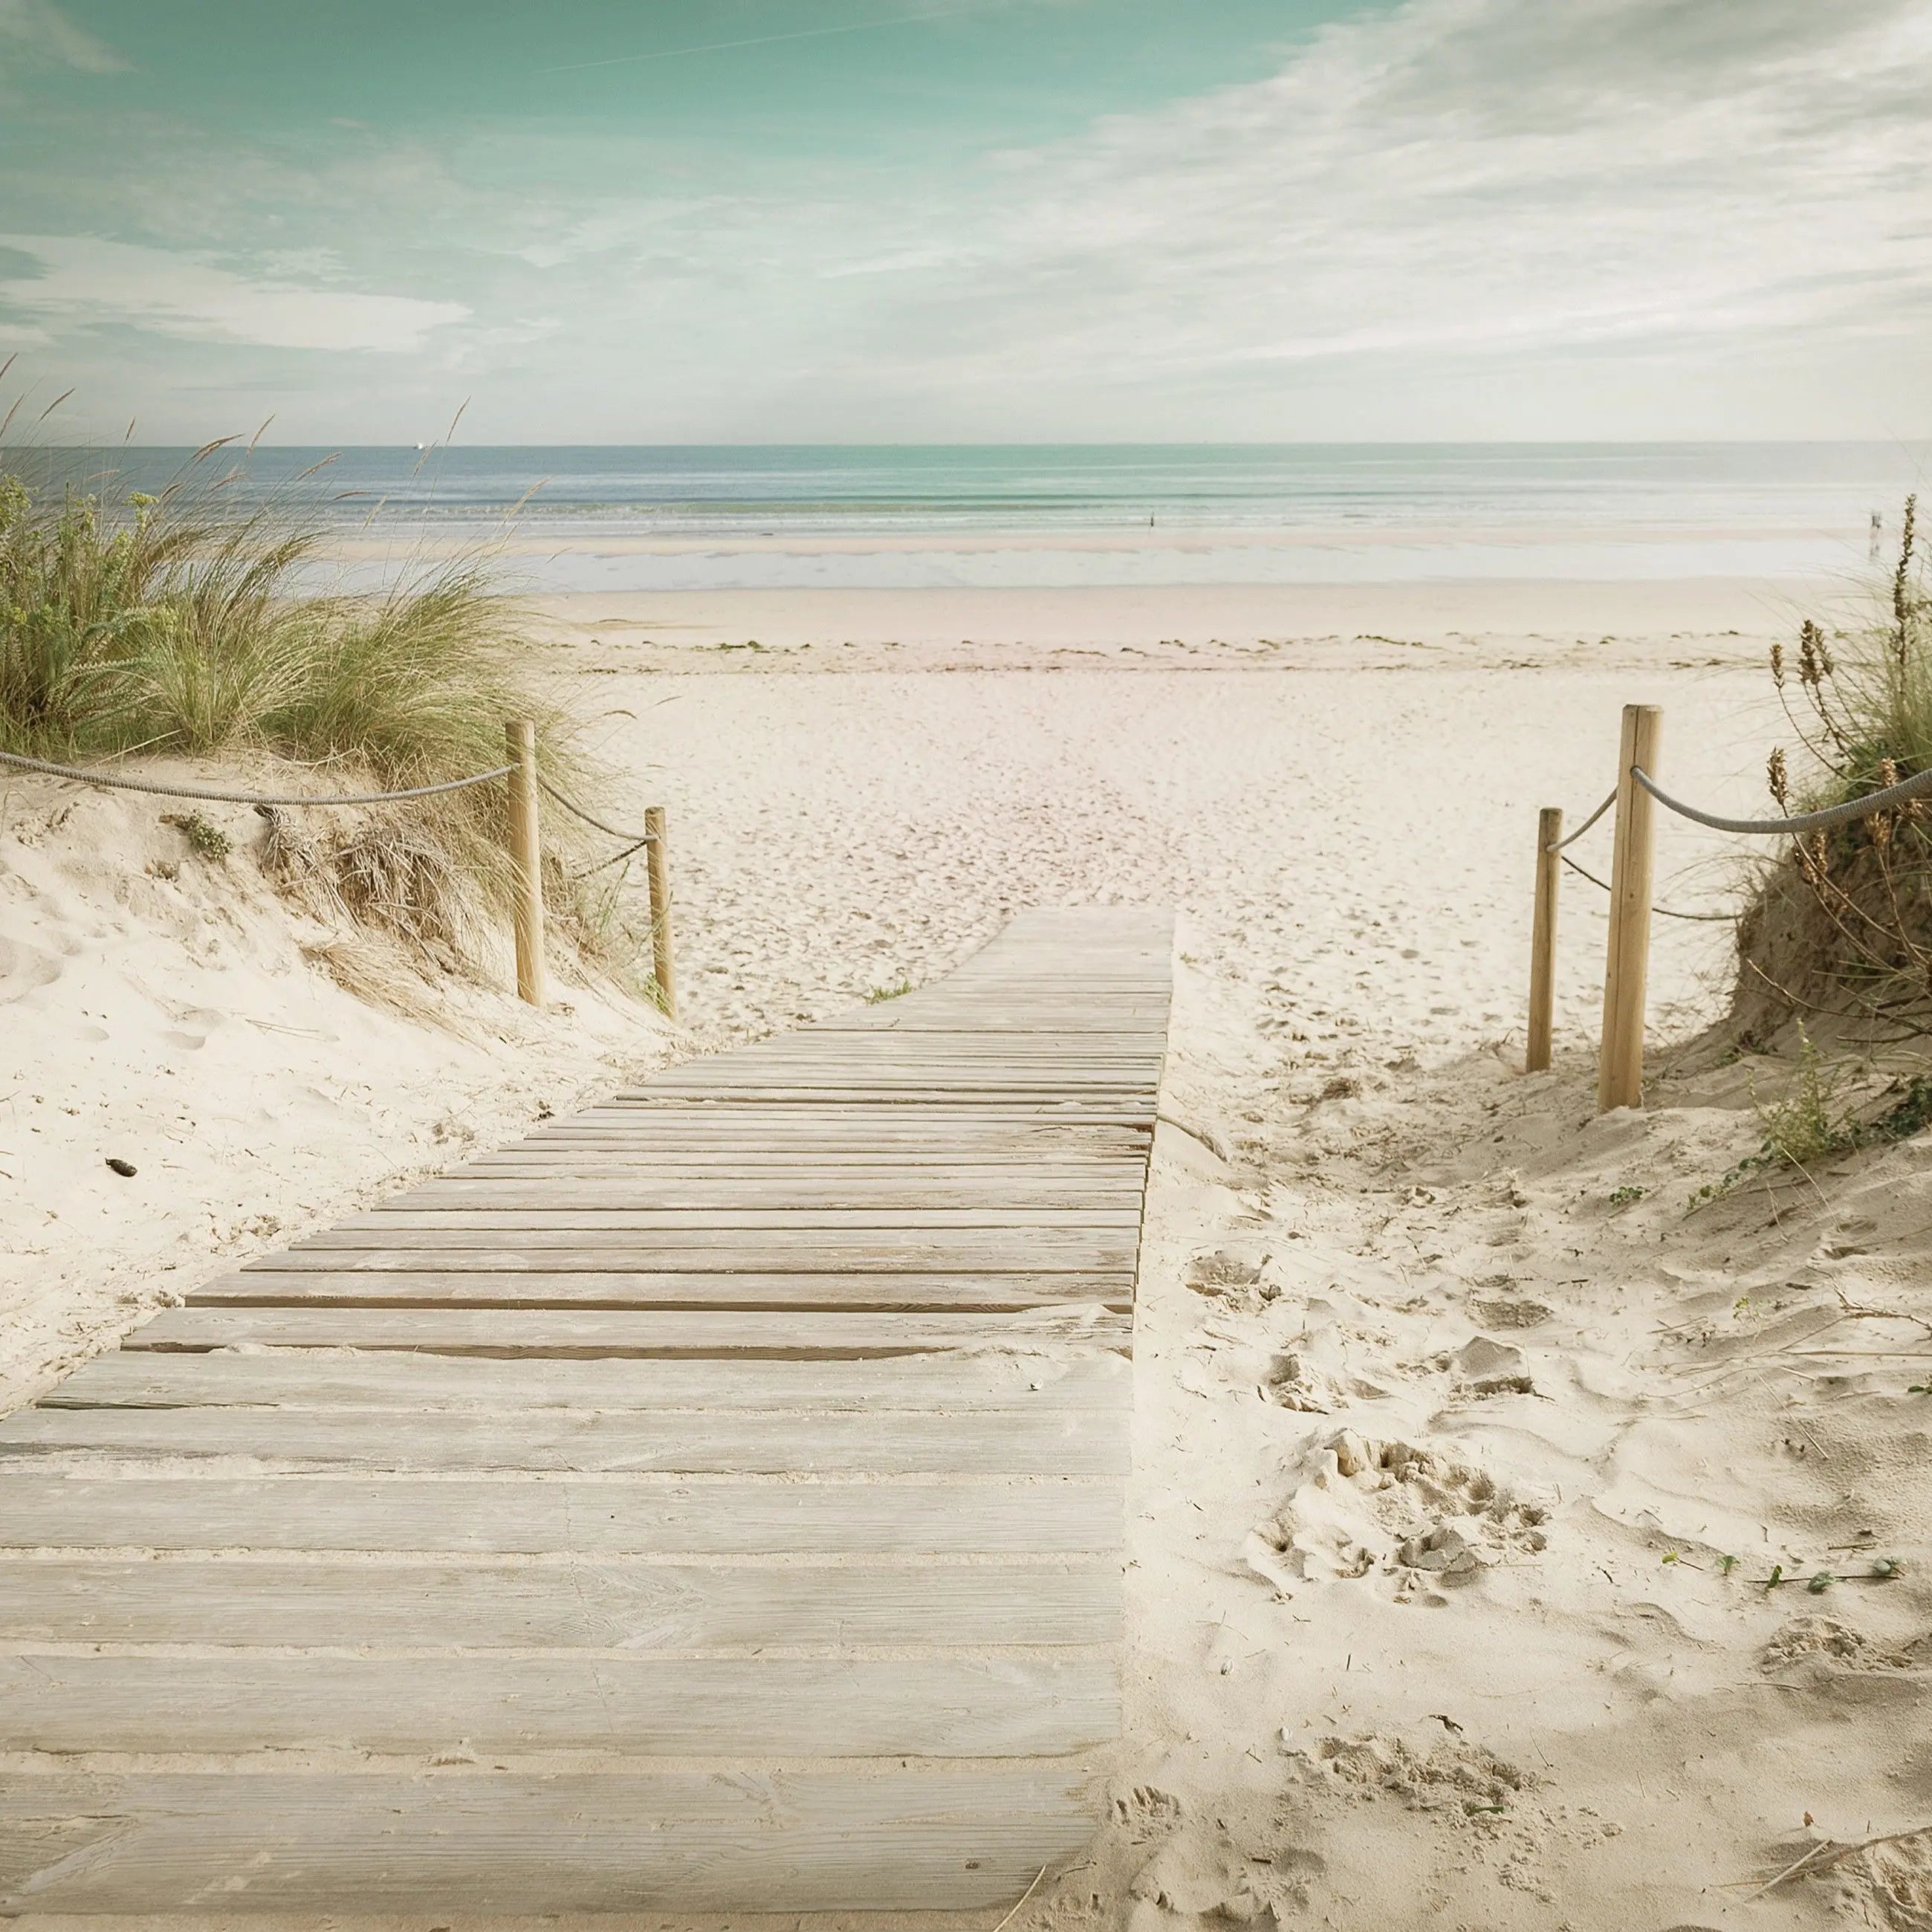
180 623
1841 923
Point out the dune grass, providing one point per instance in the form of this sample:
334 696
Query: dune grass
1841 926
184 623
173 623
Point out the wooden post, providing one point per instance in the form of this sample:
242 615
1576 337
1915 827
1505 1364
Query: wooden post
1542 939
526 859
657 861
1627 966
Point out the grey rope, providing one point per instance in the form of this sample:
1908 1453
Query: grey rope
633 839
1587 823
1915 786
1724 918
161 790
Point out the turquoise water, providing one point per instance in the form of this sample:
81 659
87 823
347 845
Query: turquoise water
1119 513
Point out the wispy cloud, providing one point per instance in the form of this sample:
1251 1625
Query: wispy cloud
84 279
36 32
1438 218
1473 175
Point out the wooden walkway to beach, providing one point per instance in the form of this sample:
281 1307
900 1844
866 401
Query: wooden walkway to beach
713 1502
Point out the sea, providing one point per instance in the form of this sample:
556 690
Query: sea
599 517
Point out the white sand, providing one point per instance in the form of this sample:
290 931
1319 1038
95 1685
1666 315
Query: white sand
1423 1314
183 1025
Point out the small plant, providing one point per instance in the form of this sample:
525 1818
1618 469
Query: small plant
1820 1583
1624 1196
1725 1564
1806 1126
1912 1115
1886 1568
206 839
879 995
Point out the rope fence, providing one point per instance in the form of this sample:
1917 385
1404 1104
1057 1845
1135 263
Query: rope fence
1663 912
633 839
525 845
1620 1053
1849 813
111 782
1610 801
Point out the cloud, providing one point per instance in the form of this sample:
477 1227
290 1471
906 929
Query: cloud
36 32
1461 218
83 279
1474 176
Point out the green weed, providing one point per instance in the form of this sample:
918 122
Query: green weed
206 839
1807 1125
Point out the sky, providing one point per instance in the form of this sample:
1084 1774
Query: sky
937 220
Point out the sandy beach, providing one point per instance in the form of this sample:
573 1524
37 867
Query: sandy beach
1464 1456
866 1193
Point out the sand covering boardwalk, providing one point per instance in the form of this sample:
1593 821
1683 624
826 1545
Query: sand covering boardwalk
713 1502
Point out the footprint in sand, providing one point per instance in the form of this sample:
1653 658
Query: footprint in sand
1365 1503
1824 1641
1510 1314
1454 1776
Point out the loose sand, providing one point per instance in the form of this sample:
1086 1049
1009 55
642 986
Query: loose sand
170 1012
1450 1419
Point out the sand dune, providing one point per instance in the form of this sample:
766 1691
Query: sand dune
1464 1456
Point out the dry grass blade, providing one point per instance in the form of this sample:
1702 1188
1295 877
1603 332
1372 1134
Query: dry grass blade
1822 1856
187 622
1841 923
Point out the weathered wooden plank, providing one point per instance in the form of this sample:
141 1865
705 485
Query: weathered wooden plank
1113 1102
791 1186
634 1842
869 1064
1126 1111
1093 1054
1076 1442
958 1706
752 1150
559 1517
639 1438
314 1378
601 1604
563 1197
905 1203
683 1156
561 1243
705 1334
267 1286
780 1250
845 1124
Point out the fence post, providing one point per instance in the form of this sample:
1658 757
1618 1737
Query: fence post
657 864
1542 940
526 859
1627 966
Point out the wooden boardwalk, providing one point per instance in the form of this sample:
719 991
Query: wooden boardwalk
713 1502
